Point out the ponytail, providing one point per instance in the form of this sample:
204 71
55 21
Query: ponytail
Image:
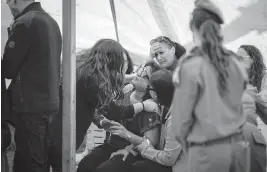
212 39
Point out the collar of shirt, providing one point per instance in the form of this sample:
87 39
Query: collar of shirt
32 6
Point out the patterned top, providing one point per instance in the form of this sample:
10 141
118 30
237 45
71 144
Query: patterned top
171 151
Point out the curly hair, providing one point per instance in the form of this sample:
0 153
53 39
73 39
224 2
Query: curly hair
130 63
103 63
257 69
208 27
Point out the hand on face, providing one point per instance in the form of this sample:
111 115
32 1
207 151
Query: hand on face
156 47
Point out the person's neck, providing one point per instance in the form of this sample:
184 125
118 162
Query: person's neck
23 6
173 66
137 96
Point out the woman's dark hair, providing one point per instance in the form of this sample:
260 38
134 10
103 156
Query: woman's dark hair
161 81
179 49
208 27
257 69
103 64
130 63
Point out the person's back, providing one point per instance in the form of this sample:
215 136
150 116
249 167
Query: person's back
209 117
36 86
216 116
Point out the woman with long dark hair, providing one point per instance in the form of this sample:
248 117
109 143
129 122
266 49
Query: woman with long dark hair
100 78
252 59
208 118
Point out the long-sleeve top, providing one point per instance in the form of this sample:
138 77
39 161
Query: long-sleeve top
248 104
202 114
86 104
255 105
169 153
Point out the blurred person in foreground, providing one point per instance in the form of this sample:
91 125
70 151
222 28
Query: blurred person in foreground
208 119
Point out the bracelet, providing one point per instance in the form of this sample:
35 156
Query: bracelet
143 106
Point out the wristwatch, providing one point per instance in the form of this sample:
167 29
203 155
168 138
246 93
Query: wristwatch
128 136
147 140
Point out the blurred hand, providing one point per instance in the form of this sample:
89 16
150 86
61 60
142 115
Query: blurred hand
156 47
151 106
122 152
118 129
128 88
105 123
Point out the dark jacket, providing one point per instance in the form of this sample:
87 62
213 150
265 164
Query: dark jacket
86 104
5 113
32 60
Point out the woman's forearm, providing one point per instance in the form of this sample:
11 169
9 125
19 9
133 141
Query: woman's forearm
133 139
129 78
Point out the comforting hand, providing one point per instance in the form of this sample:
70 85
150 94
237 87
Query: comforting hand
118 129
105 123
142 146
151 106
128 88
122 152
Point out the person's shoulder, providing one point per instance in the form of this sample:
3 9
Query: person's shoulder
193 59
192 64
25 19
87 86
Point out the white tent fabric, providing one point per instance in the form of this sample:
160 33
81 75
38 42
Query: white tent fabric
139 21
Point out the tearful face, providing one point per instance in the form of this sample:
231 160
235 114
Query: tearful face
140 83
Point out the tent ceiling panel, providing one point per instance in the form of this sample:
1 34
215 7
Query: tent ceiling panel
246 22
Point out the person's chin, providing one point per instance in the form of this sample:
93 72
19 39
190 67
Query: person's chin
163 66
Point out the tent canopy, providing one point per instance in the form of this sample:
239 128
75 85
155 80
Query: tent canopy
139 21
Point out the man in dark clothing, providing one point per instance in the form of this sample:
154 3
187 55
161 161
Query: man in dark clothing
32 60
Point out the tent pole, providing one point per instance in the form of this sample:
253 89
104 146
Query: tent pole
69 86
113 11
